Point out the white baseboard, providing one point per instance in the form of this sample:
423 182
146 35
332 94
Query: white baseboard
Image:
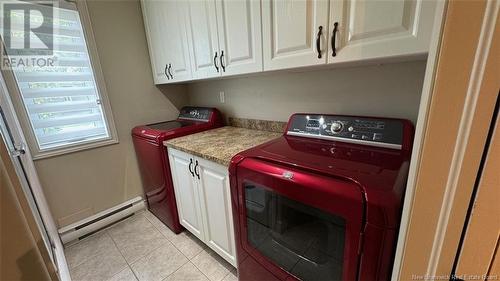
100 220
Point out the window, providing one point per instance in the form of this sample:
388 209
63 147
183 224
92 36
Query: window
62 94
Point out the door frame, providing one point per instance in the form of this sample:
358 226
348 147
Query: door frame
477 255
460 89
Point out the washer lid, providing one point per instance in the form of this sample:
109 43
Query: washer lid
156 130
169 125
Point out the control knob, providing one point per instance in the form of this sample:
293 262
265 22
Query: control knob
336 127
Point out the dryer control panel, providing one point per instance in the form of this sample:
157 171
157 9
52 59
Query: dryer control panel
380 132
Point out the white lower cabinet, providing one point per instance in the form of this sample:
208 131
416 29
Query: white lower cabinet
204 201
186 192
216 206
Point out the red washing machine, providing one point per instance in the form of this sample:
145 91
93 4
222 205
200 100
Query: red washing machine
322 202
153 160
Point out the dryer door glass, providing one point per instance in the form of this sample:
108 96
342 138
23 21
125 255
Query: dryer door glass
304 241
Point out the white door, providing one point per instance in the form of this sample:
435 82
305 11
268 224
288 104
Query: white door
12 134
203 39
240 36
294 33
186 191
373 29
154 23
216 203
174 40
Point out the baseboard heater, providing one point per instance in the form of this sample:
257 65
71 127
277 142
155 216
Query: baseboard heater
85 227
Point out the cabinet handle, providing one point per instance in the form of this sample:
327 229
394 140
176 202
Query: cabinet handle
222 61
318 41
170 67
165 71
196 169
189 167
215 62
334 34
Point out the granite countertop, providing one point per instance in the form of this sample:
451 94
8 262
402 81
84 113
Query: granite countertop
221 144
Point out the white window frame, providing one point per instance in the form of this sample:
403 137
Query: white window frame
37 153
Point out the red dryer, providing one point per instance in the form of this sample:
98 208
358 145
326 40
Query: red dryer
153 160
322 202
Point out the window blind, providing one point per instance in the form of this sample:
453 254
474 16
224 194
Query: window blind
62 100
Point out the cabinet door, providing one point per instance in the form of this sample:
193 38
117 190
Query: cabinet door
216 204
175 42
167 40
240 37
374 29
202 38
186 192
153 23
290 33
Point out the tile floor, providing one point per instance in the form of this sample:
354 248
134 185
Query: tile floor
141 248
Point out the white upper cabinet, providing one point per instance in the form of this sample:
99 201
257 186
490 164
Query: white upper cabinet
225 37
202 38
175 41
240 38
153 22
376 29
198 39
294 33
167 38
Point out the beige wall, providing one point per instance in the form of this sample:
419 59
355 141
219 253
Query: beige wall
391 90
80 184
